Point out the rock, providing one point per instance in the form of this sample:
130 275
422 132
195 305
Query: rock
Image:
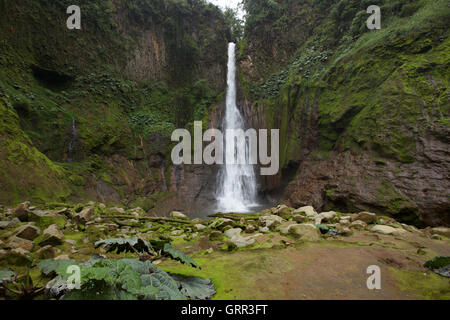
327 216
16 243
47 252
271 221
436 237
358 224
8 224
177 214
52 236
344 222
115 210
176 232
387 230
221 223
344 231
63 257
250 228
263 229
306 232
285 213
215 236
308 211
84 216
18 257
21 211
367 217
284 227
3 254
238 240
442 231
29 232
299 218
199 226
233 232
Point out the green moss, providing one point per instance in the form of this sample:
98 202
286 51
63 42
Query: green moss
426 285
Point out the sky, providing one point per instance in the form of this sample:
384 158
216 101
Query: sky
227 3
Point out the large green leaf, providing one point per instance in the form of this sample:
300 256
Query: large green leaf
179 256
195 287
50 266
7 275
125 245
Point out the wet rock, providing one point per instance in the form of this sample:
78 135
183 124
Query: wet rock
306 232
16 243
442 231
47 252
367 217
271 221
358 224
179 215
52 236
199 226
21 211
29 232
83 216
307 210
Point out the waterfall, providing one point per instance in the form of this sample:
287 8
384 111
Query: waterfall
237 190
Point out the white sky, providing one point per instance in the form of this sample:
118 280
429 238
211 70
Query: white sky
227 3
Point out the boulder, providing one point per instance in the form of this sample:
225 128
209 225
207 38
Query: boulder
358 224
382 229
442 231
285 213
16 243
270 221
83 216
307 232
308 211
21 211
52 236
18 257
221 223
199 226
115 210
367 217
179 215
47 252
29 232
263 229
10 223
299 218
215 236
238 240
284 227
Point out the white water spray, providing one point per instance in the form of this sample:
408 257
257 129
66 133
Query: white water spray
237 190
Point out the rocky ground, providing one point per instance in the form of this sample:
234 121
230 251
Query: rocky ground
279 253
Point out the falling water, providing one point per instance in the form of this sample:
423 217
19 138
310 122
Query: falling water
237 189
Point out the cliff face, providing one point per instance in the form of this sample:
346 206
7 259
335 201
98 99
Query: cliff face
87 114
363 114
